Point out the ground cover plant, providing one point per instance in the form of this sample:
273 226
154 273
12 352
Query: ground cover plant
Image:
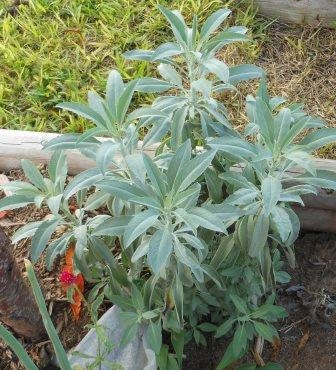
192 240
54 51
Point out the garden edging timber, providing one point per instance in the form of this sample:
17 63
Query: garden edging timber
319 213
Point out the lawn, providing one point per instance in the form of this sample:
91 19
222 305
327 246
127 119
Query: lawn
53 51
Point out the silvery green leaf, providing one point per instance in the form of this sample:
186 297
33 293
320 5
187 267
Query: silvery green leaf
84 111
219 68
95 221
192 170
139 225
21 188
166 50
57 247
192 240
177 127
295 228
213 22
151 85
58 169
170 74
106 155
114 88
120 189
54 203
154 336
206 219
38 200
160 248
125 100
185 217
242 197
139 54
96 200
141 250
234 146
237 180
143 113
202 85
184 255
296 128
220 87
302 159
116 206
168 104
282 123
136 166
149 201
225 247
324 179
264 120
226 213
97 104
156 133
80 234
155 176
259 236
291 198
114 226
276 101
104 252
224 38
315 122
41 237
33 174
187 198
25 231
244 72
84 180
15 201
177 24
271 189
69 141
282 222
214 185
178 296
178 162
318 138
300 189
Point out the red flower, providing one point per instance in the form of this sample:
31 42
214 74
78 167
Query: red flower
67 278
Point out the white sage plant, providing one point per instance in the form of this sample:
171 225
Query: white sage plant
186 240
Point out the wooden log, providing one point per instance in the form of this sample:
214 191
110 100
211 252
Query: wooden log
315 12
18 145
313 219
18 309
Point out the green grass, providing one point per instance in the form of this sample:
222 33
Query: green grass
57 50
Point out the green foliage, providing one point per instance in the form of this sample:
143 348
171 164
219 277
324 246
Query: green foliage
54 51
192 72
190 240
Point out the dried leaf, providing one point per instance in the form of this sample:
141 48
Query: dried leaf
304 340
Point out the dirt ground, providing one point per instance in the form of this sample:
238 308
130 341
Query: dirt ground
308 334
